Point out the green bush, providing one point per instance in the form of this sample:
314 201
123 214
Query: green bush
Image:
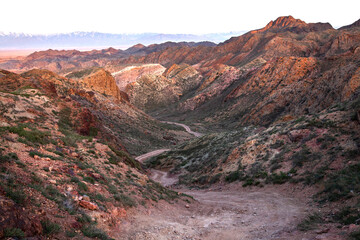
300 157
278 178
126 200
126 158
33 136
215 179
342 184
248 182
348 215
355 235
93 232
10 157
82 186
14 232
234 176
84 218
100 197
89 180
70 234
310 222
18 196
49 227
51 193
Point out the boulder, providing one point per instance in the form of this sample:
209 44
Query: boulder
88 205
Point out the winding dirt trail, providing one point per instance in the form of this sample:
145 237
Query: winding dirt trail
228 214
145 156
187 128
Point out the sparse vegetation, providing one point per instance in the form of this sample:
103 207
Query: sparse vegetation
280 178
70 233
49 227
310 222
18 195
14 233
348 215
233 176
125 200
93 232
342 184
355 235
82 73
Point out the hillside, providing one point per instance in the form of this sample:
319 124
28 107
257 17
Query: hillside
66 169
276 153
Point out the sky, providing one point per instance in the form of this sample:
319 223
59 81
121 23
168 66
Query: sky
165 16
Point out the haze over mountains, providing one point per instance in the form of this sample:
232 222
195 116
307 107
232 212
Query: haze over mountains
95 40
276 154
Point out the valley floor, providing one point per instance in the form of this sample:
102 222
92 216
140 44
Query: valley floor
221 214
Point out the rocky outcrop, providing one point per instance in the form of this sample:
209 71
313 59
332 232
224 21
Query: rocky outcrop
130 74
213 86
103 82
154 91
289 23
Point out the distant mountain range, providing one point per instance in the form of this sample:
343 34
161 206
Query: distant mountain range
90 40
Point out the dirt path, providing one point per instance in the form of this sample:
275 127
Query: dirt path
230 215
187 128
145 156
163 177
234 213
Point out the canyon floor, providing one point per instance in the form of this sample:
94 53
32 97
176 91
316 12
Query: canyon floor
223 212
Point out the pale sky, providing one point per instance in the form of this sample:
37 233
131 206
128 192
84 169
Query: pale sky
166 16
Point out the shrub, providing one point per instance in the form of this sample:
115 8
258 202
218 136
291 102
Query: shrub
348 215
33 136
126 200
75 179
278 178
342 184
100 197
300 157
51 193
70 234
113 159
84 218
215 179
93 232
112 189
82 186
248 182
355 235
89 180
18 196
315 176
126 158
310 222
49 227
233 176
9 157
13 232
